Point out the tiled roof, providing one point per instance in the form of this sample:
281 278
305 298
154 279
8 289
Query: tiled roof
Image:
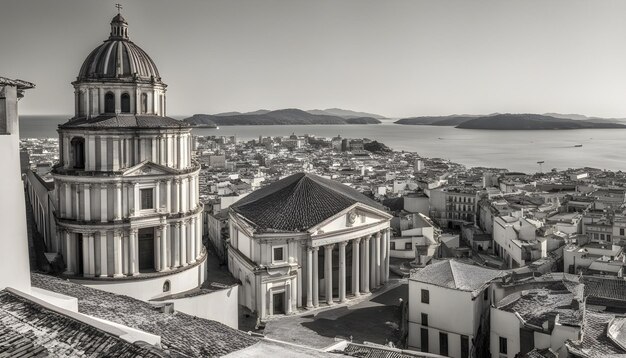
28 329
298 202
372 351
541 353
182 335
595 342
609 292
124 121
536 306
456 275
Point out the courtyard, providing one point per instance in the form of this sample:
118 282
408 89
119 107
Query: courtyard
375 318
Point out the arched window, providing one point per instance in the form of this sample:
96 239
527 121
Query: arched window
109 103
144 103
78 152
166 286
125 103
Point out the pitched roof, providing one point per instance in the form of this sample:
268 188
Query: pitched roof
298 202
456 275
181 334
28 329
595 342
124 121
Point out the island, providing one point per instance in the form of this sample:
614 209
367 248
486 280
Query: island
511 121
279 117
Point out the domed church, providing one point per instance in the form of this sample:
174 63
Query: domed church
127 207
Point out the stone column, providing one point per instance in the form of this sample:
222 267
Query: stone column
177 189
103 202
164 250
87 202
133 259
328 272
125 253
294 295
69 253
309 277
183 243
176 244
104 254
386 261
157 252
136 200
117 254
316 280
377 255
118 201
192 241
89 264
366 265
372 263
342 271
199 245
355 266
168 195
157 196
162 160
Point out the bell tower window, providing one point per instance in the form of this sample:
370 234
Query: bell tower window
109 103
78 152
125 103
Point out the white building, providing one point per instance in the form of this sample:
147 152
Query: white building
305 240
539 313
448 308
515 240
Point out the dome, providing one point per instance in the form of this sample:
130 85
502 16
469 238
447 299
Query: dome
118 58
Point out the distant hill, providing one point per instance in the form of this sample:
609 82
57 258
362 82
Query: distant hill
514 121
452 120
280 117
532 121
344 113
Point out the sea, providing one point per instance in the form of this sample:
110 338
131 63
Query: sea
516 150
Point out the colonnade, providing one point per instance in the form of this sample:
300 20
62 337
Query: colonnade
116 252
114 201
117 151
370 267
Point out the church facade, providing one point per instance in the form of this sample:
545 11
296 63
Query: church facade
127 208
304 242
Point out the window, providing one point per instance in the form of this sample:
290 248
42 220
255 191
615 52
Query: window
424 339
125 103
443 344
392 246
425 296
147 201
424 319
408 246
78 152
144 103
486 294
278 254
464 346
621 231
503 345
109 103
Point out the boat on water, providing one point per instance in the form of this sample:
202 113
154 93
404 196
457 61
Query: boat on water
578 145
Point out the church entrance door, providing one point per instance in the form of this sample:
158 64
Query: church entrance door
279 303
146 249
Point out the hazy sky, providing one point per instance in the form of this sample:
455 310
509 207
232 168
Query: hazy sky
396 58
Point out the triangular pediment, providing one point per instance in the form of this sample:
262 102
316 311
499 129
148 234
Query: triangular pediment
353 218
148 168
